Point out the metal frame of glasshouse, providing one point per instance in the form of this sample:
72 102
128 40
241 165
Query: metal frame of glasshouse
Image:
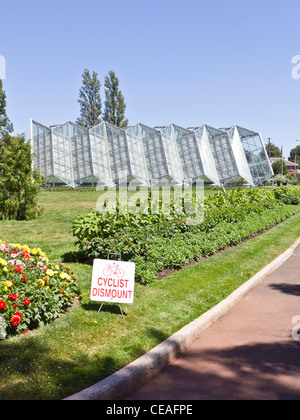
68 154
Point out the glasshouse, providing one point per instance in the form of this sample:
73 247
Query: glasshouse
106 155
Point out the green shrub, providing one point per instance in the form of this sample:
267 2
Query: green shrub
288 194
19 184
161 241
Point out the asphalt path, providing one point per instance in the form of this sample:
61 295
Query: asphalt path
251 353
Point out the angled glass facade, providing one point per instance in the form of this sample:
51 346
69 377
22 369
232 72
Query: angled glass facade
68 154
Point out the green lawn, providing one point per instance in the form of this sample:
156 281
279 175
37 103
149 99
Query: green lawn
82 347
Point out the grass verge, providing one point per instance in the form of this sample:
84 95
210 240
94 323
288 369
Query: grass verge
83 347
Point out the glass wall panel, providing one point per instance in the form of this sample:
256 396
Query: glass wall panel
81 153
71 154
154 154
208 162
100 155
223 155
189 153
41 144
62 155
257 158
239 155
136 154
118 153
169 142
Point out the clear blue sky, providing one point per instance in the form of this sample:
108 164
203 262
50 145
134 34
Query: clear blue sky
219 62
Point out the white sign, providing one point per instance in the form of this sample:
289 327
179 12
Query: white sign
113 281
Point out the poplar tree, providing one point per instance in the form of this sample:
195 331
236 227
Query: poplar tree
90 100
6 126
114 112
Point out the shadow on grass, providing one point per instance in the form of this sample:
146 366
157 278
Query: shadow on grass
36 373
112 308
62 377
76 257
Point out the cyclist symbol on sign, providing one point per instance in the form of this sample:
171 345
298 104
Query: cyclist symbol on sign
110 269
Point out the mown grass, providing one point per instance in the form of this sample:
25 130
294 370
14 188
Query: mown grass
83 347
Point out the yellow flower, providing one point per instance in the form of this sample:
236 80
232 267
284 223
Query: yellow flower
64 276
5 269
33 251
40 282
50 272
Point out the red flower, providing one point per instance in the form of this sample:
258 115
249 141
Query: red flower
12 297
16 319
26 302
25 254
24 278
2 304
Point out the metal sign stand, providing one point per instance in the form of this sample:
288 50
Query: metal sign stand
112 253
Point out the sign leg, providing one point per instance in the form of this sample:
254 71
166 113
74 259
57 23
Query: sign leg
121 312
100 307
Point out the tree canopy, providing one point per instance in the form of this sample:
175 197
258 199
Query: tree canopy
115 106
6 127
19 184
90 100
279 167
274 150
295 152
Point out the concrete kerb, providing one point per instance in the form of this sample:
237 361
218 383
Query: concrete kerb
124 381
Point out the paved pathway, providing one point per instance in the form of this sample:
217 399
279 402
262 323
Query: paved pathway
247 354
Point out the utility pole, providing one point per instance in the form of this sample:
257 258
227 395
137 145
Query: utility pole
269 138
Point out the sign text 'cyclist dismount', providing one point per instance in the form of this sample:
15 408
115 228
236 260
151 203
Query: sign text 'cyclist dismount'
113 281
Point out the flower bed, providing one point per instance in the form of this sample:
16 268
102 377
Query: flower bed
33 291
155 242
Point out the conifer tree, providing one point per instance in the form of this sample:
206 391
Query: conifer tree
115 106
19 183
90 100
6 126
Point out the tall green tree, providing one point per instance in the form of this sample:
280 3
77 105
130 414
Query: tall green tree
19 183
90 100
295 153
114 112
274 150
279 168
6 126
